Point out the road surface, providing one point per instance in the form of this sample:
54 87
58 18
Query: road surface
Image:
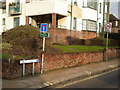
105 80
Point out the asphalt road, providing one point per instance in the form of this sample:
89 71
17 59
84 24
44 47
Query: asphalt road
105 80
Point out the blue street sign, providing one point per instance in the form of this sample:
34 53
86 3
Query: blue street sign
43 27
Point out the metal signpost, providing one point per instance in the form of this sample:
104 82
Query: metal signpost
43 30
29 61
107 27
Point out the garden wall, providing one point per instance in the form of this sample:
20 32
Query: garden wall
59 35
13 69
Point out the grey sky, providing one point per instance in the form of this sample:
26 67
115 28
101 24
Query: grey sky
114 7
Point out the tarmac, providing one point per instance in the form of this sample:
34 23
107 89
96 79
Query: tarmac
59 76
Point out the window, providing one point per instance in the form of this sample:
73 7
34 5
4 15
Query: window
16 21
3 11
89 25
27 1
100 10
116 23
90 4
100 27
3 22
3 7
84 25
84 3
74 23
75 2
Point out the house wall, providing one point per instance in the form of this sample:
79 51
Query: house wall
41 8
92 14
1 30
10 19
63 23
60 7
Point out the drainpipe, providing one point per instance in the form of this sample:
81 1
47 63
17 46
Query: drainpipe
97 17
103 18
108 9
71 18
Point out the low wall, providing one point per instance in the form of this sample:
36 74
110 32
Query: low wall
71 59
12 69
59 35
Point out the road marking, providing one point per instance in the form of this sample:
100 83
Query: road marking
89 73
68 84
111 65
48 84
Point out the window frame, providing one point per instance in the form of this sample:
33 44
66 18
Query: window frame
74 23
93 5
17 23
89 25
3 21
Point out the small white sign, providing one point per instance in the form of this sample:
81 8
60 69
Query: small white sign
29 61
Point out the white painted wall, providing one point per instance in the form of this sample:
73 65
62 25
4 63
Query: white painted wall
9 19
38 7
1 30
89 14
79 24
46 7
61 7
63 23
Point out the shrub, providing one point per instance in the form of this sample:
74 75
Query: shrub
25 41
6 56
115 36
30 43
6 45
17 34
18 57
87 42
97 41
75 41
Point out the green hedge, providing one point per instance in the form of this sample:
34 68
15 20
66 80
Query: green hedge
25 41
98 41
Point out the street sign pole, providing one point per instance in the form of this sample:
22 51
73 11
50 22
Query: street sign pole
43 29
108 27
107 48
43 55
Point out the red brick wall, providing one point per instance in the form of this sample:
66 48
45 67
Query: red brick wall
13 69
112 53
70 59
63 33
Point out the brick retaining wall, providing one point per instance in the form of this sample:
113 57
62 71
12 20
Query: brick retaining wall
71 59
13 69
59 35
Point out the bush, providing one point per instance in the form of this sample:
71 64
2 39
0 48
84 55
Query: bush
15 35
6 56
24 41
87 42
115 37
75 41
6 46
98 41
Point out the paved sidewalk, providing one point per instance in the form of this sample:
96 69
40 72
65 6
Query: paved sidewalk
58 76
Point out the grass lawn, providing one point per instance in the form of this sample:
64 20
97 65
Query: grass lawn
79 48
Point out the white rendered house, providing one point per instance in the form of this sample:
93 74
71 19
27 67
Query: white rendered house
78 15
